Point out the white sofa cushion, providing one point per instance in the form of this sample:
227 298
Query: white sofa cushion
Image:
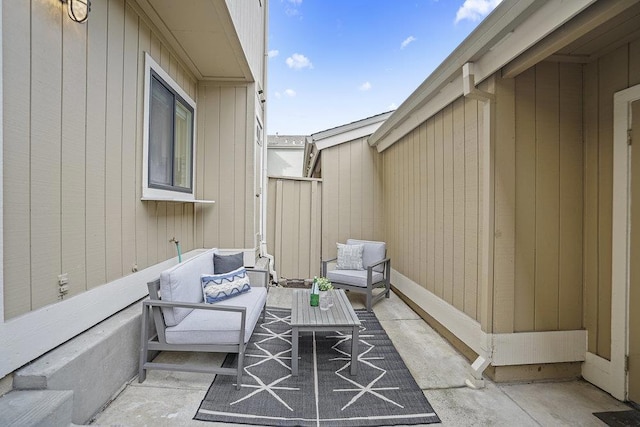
373 252
219 327
353 277
182 283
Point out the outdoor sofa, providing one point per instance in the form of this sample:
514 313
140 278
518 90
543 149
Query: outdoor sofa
177 318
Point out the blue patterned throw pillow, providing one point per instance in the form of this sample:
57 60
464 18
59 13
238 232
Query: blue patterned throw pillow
218 287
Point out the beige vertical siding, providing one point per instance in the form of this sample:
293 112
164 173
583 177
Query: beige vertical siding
432 211
73 151
352 205
602 78
473 207
505 188
225 154
293 229
538 200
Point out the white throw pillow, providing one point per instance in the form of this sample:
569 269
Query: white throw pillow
349 257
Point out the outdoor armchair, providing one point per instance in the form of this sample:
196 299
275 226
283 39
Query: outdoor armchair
374 272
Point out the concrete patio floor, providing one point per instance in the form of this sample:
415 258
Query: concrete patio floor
172 398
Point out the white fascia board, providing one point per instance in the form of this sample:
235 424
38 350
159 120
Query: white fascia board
514 25
31 335
445 96
348 135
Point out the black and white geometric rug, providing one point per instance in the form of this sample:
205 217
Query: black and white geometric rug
325 393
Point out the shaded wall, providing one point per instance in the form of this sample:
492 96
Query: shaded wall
611 73
539 200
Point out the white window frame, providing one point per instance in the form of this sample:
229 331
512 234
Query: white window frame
150 193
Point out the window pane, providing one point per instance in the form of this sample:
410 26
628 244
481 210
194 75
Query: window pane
182 150
160 135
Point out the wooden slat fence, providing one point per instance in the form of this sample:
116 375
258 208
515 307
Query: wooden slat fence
294 226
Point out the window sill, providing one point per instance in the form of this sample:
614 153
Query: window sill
176 200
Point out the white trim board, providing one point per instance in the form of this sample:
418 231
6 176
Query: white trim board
31 335
620 242
1 175
597 371
523 348
348 135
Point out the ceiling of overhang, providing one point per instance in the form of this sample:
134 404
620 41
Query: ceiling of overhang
202 34
619 30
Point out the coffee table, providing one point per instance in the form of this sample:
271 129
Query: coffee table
339 317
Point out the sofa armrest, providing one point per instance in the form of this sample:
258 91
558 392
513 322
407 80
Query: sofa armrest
198 306
258 277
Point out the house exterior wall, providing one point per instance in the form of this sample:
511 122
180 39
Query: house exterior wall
352 194
73 150
539 200
225 166
73 118
611 73
432 197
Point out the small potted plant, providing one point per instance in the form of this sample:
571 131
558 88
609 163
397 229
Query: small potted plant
324 284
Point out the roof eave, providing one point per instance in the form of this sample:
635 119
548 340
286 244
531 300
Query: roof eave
510 26
349 132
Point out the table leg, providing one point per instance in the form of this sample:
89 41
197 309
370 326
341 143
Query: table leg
354 350
294 351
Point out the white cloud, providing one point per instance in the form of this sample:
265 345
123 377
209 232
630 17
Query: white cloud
273 53
298 61
290 93
475 10
278 95
406 41
365 86
393 106
291 10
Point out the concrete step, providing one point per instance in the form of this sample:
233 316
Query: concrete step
36 408
94 366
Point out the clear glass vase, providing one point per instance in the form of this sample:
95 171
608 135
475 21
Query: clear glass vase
326 300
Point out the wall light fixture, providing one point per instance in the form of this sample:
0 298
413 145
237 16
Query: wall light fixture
78 10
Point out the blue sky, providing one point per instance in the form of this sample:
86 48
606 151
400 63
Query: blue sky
332 62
